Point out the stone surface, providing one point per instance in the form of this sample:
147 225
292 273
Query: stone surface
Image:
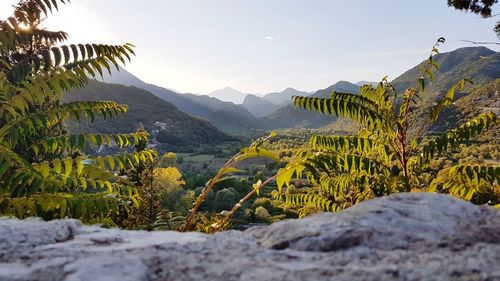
415 236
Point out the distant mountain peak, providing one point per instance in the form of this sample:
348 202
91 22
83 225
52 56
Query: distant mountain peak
344 86
289 89
284 97
251 97
363 82
343 83
170 127
229 88
229 94
259 106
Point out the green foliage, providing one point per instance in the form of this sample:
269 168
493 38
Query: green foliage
166 220
464 180
318 201
388 154
41 171
163 201
463 133
167 160
262 214
81 141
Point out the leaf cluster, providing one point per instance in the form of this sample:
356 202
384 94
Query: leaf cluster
42 172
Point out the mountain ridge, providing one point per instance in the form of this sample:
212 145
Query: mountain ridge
196 105
291 117
259 106
274 110
284 97
479 64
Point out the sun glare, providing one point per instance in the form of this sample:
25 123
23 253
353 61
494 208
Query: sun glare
24 26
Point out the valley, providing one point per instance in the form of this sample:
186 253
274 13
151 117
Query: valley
220 121
249 140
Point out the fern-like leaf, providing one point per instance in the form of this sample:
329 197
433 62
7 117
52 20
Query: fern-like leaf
54 144
464 181
355 107
459 135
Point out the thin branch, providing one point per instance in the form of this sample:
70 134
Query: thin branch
239 204
479 42
201 198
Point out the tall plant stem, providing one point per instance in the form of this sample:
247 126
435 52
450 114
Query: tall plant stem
201 198
244 199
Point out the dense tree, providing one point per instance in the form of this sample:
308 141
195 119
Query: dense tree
480 7
41 171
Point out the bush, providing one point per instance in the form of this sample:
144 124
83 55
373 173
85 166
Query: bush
263 202
225 199
261 214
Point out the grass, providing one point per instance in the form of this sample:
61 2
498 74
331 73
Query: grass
201 158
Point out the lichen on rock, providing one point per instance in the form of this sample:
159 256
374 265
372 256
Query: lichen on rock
413 236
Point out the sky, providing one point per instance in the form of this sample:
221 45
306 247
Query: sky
263 46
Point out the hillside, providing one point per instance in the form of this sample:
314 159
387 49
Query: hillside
197 105
478 64
482 98
235 122
175 129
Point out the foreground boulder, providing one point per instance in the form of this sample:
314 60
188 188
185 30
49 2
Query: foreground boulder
417 236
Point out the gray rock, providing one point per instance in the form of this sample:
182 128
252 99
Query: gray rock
416 236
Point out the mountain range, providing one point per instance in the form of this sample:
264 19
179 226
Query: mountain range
275 110
259 106
291 117
284 97
478 64
263 106
225 115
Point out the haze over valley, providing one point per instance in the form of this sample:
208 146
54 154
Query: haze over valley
234 112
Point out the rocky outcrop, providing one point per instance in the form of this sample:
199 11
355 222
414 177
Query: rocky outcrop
415 236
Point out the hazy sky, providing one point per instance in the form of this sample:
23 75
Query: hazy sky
265 46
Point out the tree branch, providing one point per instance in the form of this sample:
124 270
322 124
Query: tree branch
479 43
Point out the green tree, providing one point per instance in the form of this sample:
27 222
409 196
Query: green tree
41 172
388 154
